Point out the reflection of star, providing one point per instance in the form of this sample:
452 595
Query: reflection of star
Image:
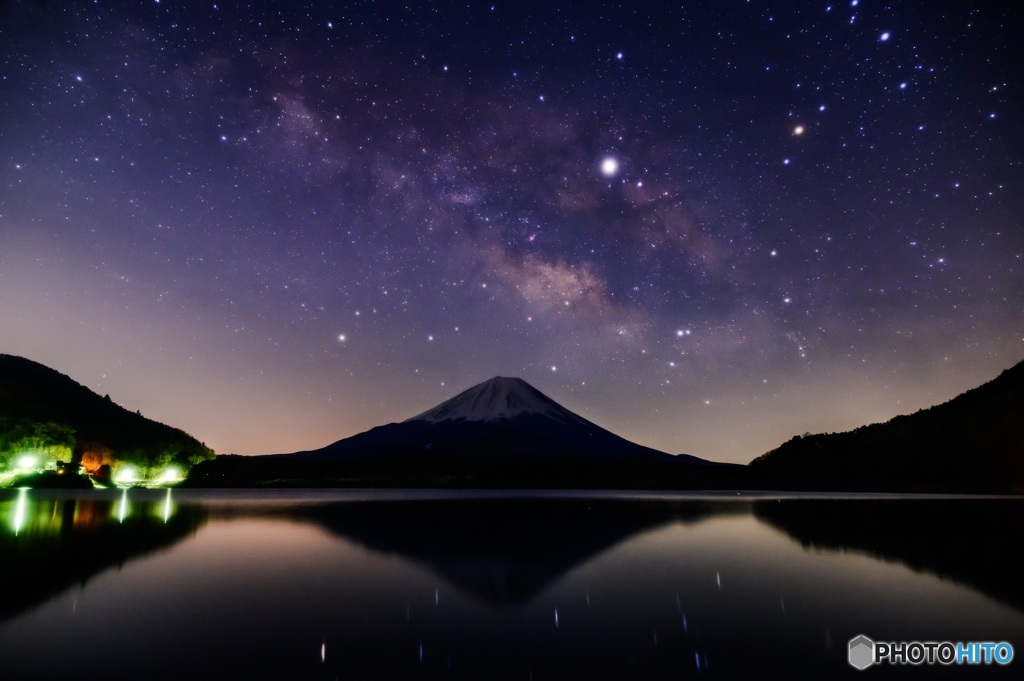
609 166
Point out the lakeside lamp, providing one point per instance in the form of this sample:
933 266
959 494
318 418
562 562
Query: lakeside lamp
126 474
171 474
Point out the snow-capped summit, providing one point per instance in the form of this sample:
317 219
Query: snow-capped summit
497 399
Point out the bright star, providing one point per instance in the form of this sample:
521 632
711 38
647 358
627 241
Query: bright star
798 130
609 166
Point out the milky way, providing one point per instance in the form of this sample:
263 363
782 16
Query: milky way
707 227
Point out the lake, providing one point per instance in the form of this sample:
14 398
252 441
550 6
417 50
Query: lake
325 584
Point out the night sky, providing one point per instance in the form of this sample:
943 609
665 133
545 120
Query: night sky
707 226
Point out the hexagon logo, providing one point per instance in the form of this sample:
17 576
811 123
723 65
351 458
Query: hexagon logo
862 652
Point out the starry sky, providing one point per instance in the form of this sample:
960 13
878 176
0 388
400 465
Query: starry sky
706 226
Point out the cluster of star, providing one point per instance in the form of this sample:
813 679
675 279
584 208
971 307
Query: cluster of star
375 206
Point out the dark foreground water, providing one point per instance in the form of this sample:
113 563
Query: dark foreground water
391 585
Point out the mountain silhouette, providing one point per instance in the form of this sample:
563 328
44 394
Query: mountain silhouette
500 433
499 418
972 443
42 409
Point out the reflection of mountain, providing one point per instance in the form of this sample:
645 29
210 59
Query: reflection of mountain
960 539
50 544
502 551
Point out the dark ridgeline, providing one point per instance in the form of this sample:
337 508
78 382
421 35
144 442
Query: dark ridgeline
502 433
43 406
972 443
505 433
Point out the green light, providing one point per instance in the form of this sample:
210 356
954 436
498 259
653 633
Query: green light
126 474
171 474
27 462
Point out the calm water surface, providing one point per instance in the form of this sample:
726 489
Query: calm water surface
389 585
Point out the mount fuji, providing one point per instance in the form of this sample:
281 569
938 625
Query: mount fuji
499 418
500 433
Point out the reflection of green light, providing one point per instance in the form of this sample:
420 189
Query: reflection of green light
19 510
122 506
167 506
